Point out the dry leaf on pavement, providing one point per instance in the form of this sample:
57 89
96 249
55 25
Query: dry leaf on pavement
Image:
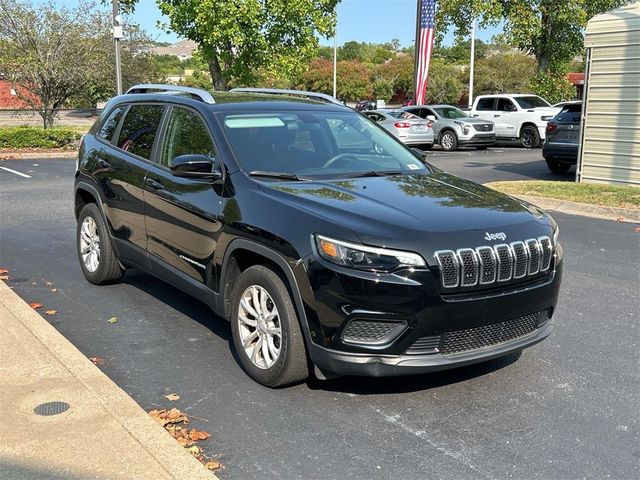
51 312
620 219
35 305
112 320
96 360
4 274
196 435
172 397
213 465
54 289
165 417
194 450
637 229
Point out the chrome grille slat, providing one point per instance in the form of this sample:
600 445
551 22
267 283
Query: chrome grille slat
468 267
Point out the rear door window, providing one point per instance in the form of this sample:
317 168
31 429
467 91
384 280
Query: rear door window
486 104
505 105
139 129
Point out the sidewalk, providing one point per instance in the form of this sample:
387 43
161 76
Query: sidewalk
103 435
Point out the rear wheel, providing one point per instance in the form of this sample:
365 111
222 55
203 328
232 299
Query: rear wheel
449 141
97 258
265 329
529 137
557 167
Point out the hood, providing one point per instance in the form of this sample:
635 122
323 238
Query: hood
553 111
472 120
415 211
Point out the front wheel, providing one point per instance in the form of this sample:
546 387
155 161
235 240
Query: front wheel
529 137
266 331
97 258
557 167
449 141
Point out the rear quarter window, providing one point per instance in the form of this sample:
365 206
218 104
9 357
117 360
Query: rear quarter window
139 129
108 127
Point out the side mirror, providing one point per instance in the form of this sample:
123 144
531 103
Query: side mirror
194 166
432 118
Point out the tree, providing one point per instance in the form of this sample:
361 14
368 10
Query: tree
354 82
551 30
49 54
444 83
237 38
503 73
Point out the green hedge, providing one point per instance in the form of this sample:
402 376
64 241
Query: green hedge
35 137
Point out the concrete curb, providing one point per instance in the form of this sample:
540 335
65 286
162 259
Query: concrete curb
177 462
17 155
594 211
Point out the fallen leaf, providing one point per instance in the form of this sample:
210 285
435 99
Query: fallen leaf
4 274
51 312
637 229
48 284
172 397
213 465
194 450
112 320
54 289
164 416
196 435
35 305
96 360
620 219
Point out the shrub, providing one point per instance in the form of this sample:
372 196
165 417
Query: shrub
35 137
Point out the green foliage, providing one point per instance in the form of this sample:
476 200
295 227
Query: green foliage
460 52
503 73
553 87
354 81
35 137
199 79
550 30
237 38
382 89
444 83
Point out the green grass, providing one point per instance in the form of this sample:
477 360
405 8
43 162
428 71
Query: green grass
590 193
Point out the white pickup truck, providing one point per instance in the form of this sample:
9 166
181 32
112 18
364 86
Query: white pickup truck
517 117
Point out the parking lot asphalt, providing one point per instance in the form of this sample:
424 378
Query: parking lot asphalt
566 408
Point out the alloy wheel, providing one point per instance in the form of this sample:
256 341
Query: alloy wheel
259 327
90 244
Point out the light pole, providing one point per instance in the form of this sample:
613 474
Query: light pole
473 60
117 35
335 58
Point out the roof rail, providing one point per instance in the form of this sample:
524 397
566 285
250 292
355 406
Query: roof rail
321 97
196 93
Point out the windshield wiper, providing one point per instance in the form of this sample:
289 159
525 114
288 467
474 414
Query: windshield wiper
280 175
374 173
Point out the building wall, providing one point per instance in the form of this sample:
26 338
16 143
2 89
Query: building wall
610 151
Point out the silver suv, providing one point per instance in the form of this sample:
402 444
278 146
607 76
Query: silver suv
453 128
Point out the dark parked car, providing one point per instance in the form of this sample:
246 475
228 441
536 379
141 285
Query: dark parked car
560 149
321 238
363 105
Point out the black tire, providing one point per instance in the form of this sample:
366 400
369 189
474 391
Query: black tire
482 147
108 268
529 137
448 141
291 366
557 167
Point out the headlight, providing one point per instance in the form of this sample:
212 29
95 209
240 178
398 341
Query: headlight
465 127
546 118
365 258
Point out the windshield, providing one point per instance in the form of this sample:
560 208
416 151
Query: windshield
316 144
450 112
531 102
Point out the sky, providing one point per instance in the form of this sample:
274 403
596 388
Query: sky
376 21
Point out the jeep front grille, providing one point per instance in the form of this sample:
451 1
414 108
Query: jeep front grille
458 341
468 267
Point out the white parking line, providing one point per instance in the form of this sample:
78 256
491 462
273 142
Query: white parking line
17 173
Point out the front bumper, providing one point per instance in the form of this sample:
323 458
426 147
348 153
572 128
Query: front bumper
336 299
478 140
343 363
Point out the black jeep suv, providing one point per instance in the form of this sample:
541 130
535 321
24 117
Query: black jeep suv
323 240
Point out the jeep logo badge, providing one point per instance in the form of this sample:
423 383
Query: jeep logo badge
495 236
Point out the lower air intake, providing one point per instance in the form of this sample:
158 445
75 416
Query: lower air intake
368 332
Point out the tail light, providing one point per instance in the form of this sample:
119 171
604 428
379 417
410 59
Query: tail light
551 127
402 125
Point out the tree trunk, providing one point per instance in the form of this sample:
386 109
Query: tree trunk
219 81
47 117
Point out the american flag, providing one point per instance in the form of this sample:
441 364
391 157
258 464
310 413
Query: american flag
424 47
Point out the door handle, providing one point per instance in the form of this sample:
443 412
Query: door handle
104 164
496 116
155 184
476 115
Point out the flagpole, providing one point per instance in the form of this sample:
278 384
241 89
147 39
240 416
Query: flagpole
417 51
472 61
